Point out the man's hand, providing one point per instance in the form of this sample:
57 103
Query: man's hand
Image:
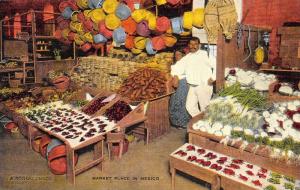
210 82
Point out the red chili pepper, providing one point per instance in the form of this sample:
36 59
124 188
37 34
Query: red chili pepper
263 170
250 166
223 158
257 183
249 172
237 161
190 148
260 175
244 178
201 151
228 171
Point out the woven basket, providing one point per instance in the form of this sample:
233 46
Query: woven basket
276 97
14 83
228 19
211 22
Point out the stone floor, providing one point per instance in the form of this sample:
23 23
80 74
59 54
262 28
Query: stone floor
146 166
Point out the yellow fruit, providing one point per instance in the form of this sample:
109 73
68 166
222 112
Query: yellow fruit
259 55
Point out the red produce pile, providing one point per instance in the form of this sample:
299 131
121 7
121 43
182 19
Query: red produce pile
95 106
118 111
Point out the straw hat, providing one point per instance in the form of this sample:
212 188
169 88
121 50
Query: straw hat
112 21
78 40
140 42
82 4
198 17
143 29
104 31
158 43
129 42
74 16
138 15
87 13
73 26
88 37
97 15
67 13
110 6
119 35
136 51
162 24
161 2
149 47
177 25
65 33
71 36
169 39
123 11
151 18
129 25
88 25
99 38
188 20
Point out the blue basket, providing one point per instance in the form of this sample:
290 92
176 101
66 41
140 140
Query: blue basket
177 25
123 11
99 38
119 35
149 47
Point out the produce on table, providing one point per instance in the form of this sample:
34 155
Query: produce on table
8 65
250 79
119 110
144 84
245 173
287 89
249 98
67 122
95 106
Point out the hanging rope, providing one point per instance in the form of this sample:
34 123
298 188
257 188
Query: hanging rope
239 36
249 45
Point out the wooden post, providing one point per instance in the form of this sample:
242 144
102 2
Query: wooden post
70 164
173 173
216 183
1 39
98 153
33 25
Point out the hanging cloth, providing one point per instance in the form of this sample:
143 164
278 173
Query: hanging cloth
48 9
17 25
7 29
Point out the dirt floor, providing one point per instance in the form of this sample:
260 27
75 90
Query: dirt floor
143 167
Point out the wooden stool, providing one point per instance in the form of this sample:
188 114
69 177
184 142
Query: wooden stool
115 138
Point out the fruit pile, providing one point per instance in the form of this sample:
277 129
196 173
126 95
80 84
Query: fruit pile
95 106
119 110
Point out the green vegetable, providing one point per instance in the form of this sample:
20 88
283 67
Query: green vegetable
274 180
276 175
289 186
290 179
249 138
247 97
266 141
237 134
270 187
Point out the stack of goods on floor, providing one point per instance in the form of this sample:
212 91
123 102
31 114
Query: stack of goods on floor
103 73
238 170
91 23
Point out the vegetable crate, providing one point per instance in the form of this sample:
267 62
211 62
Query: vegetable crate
276 97
261 157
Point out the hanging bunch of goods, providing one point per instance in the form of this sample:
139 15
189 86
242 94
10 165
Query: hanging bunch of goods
91 23
220 15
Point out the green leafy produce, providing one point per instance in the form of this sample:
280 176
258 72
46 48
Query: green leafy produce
274 180
290 179
247 97
276 175
249 138
289 186
237 134
270 187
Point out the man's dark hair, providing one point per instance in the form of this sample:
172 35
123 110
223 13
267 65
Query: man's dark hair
195 39
180 50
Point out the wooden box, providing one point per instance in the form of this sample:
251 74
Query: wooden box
260 158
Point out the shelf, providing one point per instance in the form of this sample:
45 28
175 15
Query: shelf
55 60
10 70
43 44
42 50
45 37
280 70
29 68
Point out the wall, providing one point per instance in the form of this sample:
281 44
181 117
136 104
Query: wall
271 13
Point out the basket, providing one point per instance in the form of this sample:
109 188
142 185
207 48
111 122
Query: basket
277 97
14 83
57 161
45 140
62 82
19 75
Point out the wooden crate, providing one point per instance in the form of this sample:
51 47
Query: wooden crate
276 97
158 116
260 158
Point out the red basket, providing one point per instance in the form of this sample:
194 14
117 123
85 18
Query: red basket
116 148
62 82
45 140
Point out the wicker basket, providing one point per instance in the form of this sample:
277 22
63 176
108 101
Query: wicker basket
14 83
19 75
276 97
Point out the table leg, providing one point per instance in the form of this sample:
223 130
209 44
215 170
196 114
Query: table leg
30 135
98 153
70 165
216 183
173 173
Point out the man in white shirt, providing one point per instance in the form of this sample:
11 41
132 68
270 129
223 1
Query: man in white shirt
200 72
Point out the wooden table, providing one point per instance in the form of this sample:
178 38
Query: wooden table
260 158
216 179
